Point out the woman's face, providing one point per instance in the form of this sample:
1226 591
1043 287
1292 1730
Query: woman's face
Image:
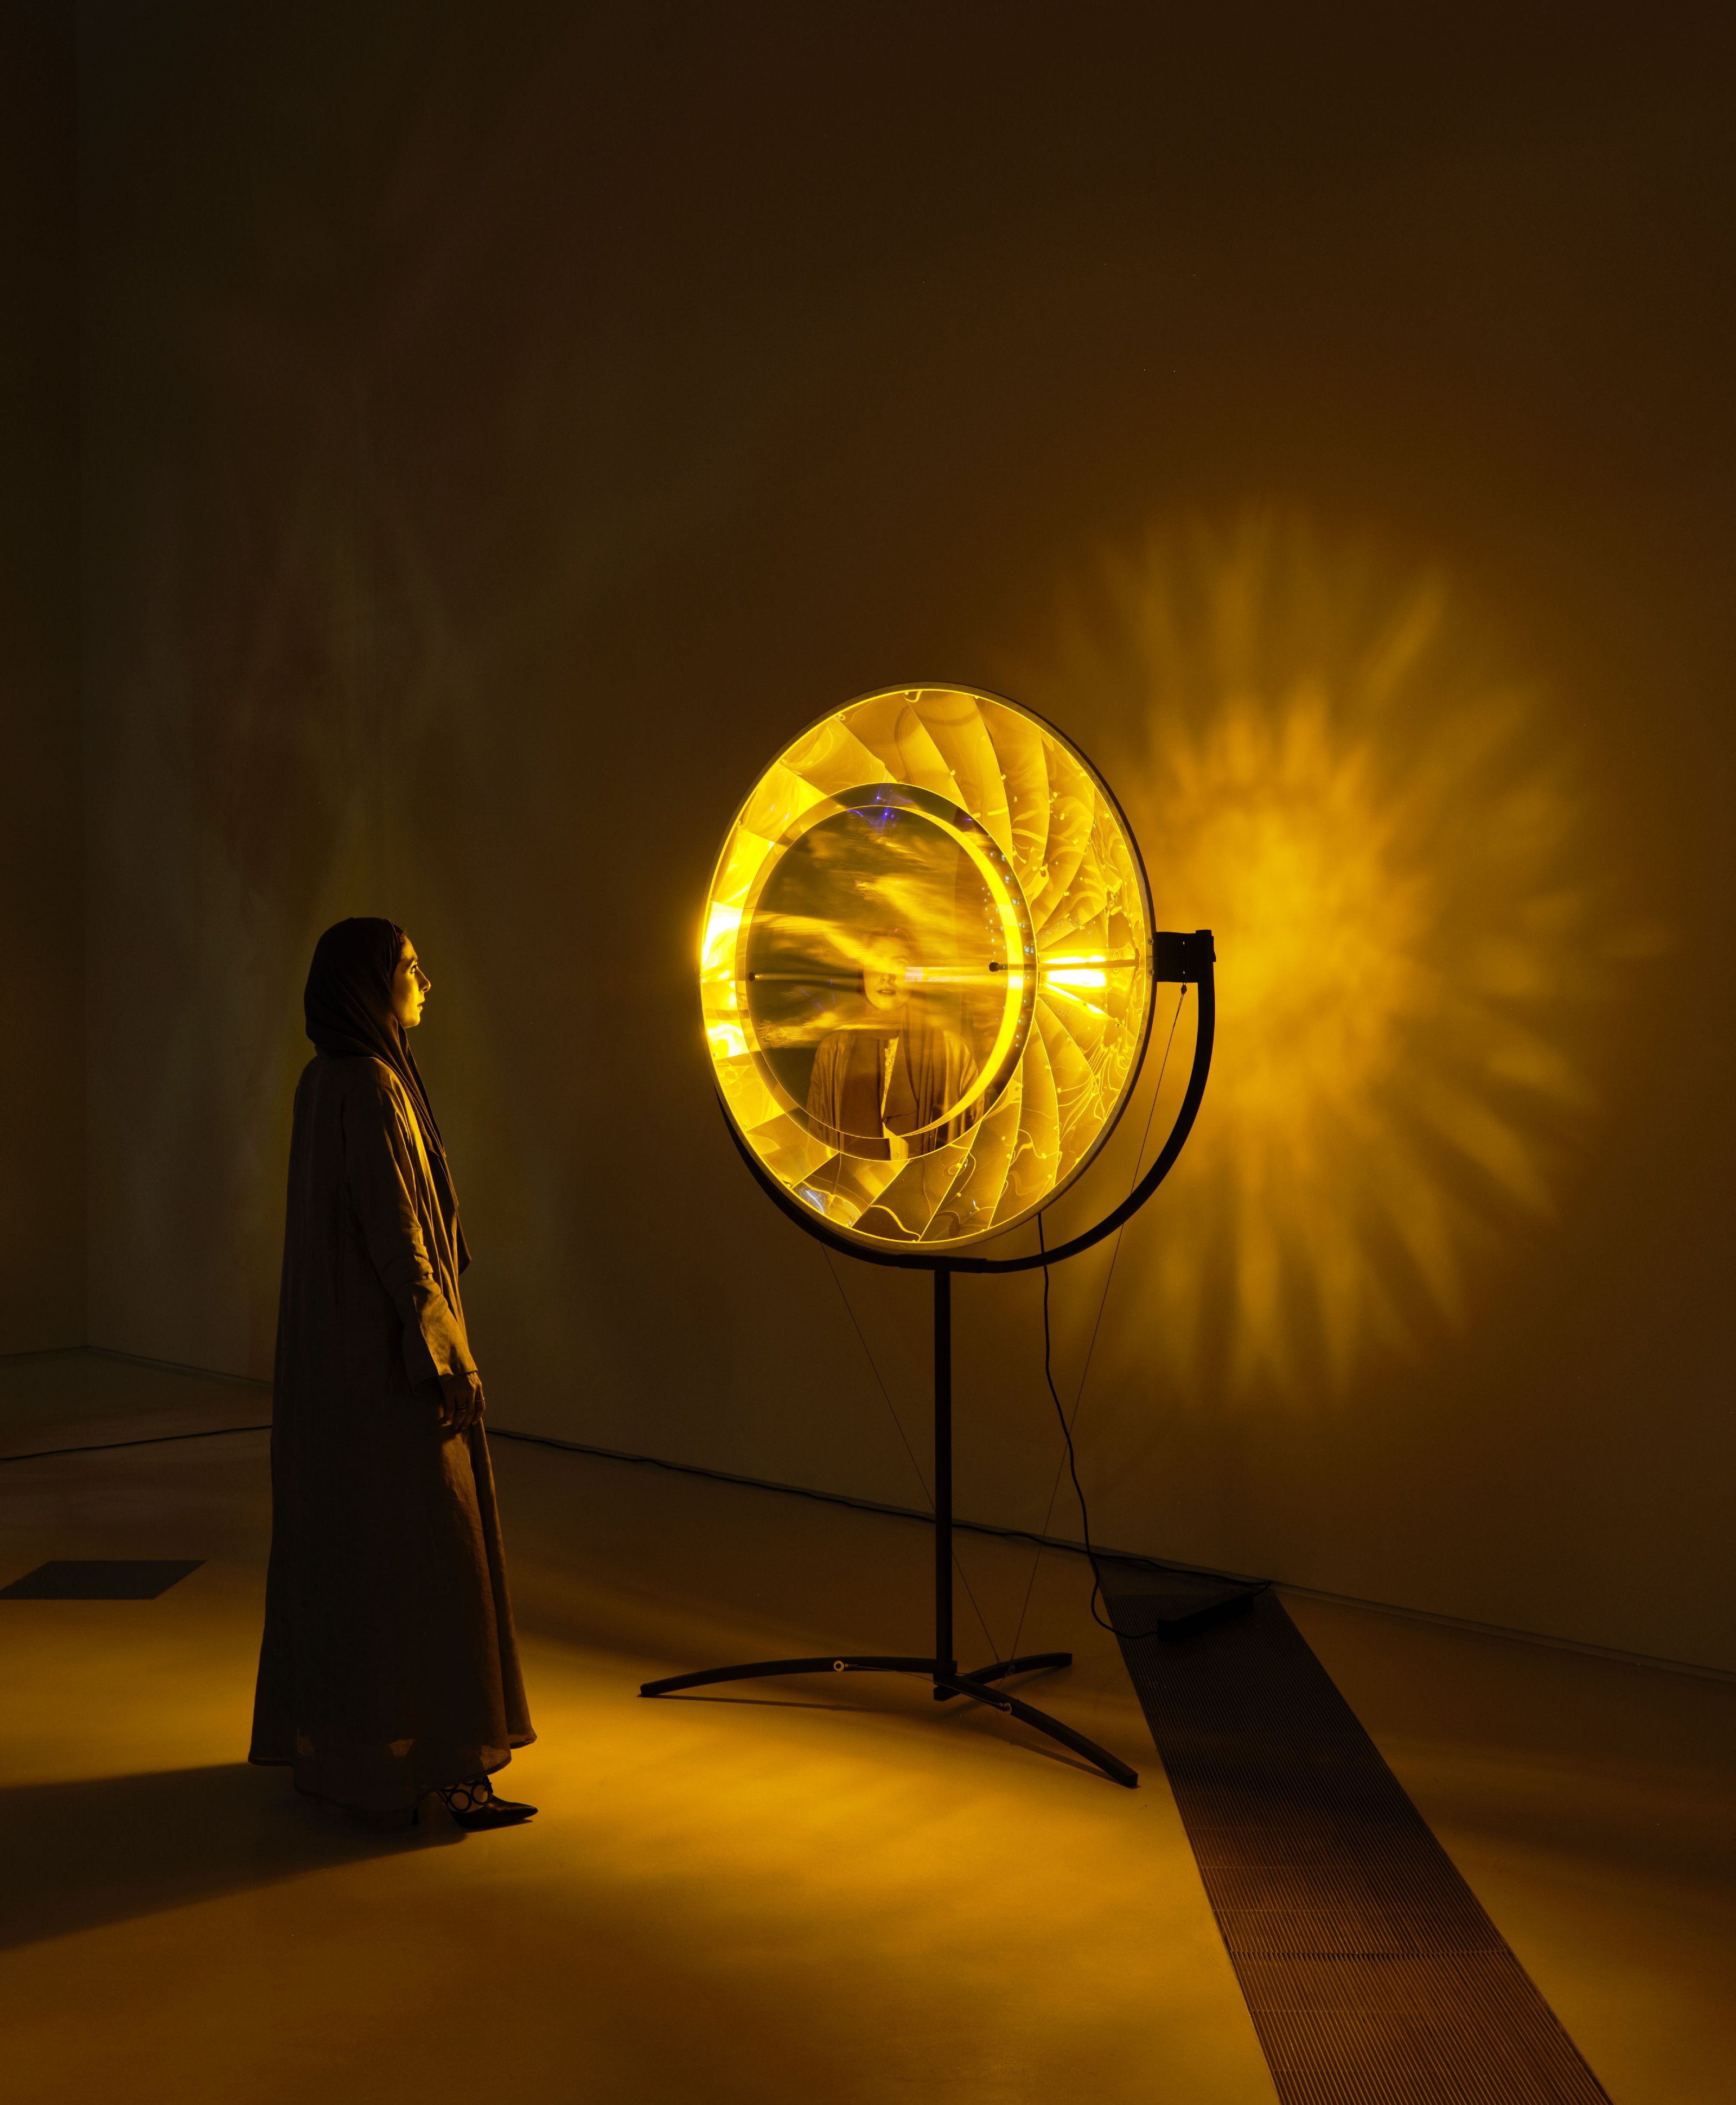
410 986
883 980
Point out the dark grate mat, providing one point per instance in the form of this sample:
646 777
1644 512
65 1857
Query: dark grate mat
1372 1974
102 1579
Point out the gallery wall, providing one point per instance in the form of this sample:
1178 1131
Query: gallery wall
42 982
505 427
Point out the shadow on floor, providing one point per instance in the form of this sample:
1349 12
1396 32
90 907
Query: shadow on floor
112 1848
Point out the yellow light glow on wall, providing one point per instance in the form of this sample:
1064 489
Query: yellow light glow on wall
924 966
1387 834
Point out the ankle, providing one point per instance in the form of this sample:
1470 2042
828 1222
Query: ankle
465 1797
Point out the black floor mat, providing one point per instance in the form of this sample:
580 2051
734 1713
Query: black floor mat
102 1579
1373 1976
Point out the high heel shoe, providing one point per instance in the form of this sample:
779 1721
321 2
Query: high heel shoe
473 1805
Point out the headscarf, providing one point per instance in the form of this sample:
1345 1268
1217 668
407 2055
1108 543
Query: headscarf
348 1004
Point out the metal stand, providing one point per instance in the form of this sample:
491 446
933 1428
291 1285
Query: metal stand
1175 958
942 1668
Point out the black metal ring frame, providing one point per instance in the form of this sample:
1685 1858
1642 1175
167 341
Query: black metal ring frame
1175 958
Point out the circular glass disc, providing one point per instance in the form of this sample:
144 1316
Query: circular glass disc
925 967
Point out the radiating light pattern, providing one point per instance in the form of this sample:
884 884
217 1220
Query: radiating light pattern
1331 772
925 966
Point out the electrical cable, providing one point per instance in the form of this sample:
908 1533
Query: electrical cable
1151 1113
1084 1518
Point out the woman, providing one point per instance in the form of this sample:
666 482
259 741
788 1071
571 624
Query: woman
388 1669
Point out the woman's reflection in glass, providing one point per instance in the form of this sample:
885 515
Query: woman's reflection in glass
886 1087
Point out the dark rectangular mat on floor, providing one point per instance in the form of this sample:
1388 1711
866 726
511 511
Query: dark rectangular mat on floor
1372 1974
102 1579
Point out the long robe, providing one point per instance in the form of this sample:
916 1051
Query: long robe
389 1663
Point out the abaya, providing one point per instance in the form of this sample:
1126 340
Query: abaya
389 1665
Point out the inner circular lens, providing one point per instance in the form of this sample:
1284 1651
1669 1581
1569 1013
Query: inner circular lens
878 981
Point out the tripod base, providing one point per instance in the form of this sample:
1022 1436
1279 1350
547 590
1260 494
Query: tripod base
948 1682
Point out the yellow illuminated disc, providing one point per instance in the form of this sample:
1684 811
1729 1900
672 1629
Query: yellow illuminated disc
925 967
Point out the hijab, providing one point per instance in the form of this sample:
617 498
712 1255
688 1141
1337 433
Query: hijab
348 1004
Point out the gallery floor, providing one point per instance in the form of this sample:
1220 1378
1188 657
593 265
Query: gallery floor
817 1891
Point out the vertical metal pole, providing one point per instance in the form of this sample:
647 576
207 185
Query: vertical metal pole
944 1662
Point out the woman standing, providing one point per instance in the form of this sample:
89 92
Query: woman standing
388 1669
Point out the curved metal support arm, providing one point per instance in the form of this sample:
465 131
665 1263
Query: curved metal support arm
917 1259
1154 1176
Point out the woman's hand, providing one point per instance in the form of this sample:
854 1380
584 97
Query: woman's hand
462 1401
